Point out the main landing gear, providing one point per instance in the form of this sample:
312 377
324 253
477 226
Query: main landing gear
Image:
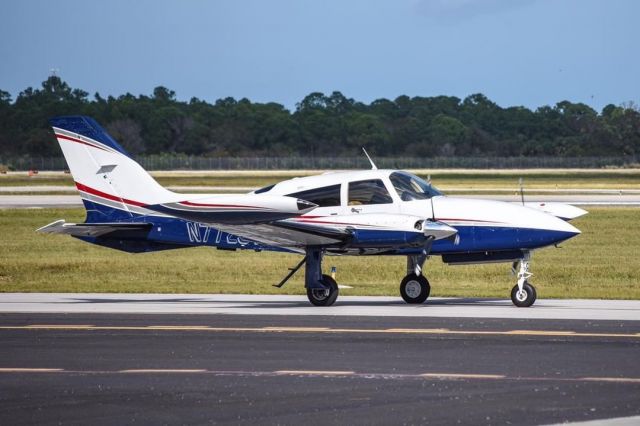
523 294
322 290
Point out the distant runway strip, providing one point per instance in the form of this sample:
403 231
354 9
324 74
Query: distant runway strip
626 198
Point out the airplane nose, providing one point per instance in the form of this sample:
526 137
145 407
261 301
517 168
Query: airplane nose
560 225
570 228
550 230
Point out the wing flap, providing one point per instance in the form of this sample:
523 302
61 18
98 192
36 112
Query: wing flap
276 235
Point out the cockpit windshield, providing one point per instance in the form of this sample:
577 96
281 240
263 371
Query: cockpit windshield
410 187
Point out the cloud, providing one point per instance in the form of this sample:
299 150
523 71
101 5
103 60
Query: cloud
459 10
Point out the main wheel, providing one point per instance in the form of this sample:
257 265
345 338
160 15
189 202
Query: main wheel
415 289
524 298
321 296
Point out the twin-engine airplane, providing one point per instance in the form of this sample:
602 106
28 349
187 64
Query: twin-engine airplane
372 212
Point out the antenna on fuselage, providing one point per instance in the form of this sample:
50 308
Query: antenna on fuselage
373 166
433 213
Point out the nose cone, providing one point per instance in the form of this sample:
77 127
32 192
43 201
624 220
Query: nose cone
550 222
568 228
540 229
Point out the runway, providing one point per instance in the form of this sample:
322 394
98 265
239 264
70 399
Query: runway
626 198
122 359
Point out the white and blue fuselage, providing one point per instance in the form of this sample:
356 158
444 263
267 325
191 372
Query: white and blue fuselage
372 212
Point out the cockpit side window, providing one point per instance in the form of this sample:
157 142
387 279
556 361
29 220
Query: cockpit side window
327 196
410 187
370 191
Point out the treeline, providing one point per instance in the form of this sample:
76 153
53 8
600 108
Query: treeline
321 125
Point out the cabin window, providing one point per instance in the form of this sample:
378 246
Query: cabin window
410 187
327 196
370 191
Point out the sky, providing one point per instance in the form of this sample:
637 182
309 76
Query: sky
516 52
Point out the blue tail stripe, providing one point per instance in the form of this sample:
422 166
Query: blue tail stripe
99 213
88 127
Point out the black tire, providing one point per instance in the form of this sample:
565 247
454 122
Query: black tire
319 297
415 289
529 298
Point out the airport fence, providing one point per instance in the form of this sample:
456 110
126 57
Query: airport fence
188 162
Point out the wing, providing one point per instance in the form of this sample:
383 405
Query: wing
357 231
287 234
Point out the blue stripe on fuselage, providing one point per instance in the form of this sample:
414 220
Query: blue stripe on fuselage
487 238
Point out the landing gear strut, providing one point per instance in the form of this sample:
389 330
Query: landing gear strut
523 294
415 288
322 290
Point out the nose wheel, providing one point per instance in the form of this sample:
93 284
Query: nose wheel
525 297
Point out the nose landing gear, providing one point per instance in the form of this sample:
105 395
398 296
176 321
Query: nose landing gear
523 294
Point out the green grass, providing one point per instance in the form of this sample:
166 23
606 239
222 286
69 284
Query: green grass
601 263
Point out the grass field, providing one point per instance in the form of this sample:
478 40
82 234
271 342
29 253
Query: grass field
444 179
603 262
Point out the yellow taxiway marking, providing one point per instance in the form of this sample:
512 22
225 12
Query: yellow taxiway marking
298 329
439 331
463 376
315 372
161 370
60 326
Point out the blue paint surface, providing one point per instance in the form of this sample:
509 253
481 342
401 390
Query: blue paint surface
88 127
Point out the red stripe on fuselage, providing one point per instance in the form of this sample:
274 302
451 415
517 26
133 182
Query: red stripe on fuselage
93 191
441 219
69 138
324 222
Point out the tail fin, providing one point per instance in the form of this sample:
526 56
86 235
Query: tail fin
112 185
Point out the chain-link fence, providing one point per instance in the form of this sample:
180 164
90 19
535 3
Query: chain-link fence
185 162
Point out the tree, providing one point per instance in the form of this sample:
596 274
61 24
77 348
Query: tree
321 125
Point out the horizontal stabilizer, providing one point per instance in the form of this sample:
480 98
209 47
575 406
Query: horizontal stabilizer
92 229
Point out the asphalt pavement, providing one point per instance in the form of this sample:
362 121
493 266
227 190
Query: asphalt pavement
159 366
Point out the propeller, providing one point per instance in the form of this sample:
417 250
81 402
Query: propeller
520 182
